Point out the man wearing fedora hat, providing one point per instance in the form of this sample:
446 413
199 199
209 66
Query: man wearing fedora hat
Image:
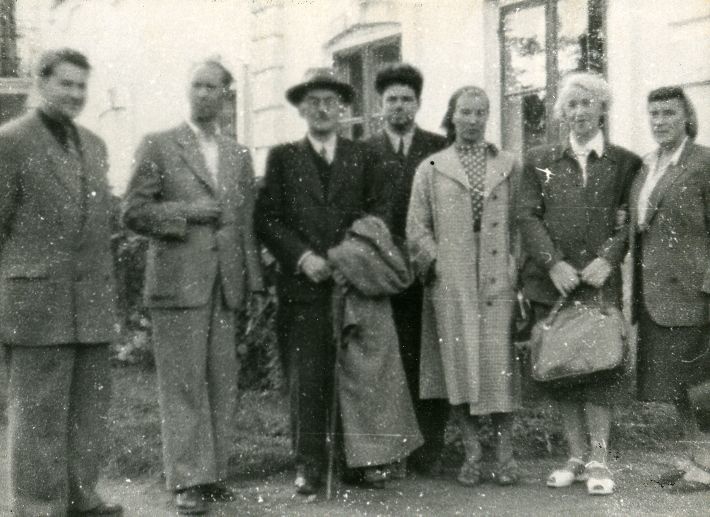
400 147
314 189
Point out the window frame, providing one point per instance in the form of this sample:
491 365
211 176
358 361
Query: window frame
553 127
370 119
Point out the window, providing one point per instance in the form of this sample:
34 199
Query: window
359 66
541 41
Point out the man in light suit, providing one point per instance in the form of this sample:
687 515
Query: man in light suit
400 147
192 195
57 296
314 189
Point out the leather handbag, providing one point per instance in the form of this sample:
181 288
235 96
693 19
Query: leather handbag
578 340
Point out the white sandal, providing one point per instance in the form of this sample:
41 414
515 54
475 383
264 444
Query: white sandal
572 472
600 481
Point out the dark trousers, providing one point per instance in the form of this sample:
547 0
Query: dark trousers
308 336
196 360
58 401
432 414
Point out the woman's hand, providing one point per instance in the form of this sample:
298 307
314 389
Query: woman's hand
596 272
565 277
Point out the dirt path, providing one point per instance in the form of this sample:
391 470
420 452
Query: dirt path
637 494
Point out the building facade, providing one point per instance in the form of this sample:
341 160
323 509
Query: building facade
517 50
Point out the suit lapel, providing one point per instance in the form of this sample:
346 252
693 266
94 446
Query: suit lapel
664 184
307 170
339 168
496 172
636 187
192 156
449 165
63 166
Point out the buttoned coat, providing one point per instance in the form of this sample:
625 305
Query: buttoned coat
294 214
185 258
561 219
467 309
672 255
56 268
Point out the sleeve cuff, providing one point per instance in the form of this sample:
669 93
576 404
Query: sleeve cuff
301 259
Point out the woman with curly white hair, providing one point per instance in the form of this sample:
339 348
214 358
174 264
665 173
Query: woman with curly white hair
570 209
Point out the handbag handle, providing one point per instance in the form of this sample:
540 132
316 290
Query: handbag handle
603 307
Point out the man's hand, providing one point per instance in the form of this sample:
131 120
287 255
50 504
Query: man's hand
315 268
596 272
202 212
565 277
339 278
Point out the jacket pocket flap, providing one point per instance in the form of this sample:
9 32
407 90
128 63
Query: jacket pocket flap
26 271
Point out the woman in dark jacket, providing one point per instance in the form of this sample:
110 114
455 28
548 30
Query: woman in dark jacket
571 214
670 233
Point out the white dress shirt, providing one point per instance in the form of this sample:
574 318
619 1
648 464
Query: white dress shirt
324 148
582 152
209 148
396 138
655 173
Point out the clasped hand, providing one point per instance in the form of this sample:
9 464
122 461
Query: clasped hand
566 278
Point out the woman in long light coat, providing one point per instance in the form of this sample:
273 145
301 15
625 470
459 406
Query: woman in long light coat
459 237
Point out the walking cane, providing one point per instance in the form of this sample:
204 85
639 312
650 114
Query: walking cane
337 318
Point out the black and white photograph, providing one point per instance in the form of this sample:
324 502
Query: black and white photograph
354 258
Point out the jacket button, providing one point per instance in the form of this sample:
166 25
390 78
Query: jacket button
494 197
494 252
214 247
493 280
494 224
489 303
674 280
78 277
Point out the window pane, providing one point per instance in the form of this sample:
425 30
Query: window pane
349 67
579 36
524 49
385 54
525 121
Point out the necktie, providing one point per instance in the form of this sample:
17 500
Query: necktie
324 154
400 150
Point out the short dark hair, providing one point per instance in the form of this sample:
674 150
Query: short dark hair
448 123
666 93
227 78
49 60
400 73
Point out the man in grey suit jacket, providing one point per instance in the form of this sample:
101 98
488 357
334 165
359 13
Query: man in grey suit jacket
57 296
192 194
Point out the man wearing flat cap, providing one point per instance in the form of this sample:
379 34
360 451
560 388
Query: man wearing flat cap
400 147
314 189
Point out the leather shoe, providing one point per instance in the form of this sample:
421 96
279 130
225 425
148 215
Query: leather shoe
102 509
307 480
217 493
189 502
368 477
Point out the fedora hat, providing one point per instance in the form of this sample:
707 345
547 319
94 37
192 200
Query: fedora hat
320 78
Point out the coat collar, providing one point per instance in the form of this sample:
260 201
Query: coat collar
192 156
447 162
60 159
564 150
674 171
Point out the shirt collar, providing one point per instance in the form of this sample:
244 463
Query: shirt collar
329 144
395 137
596 144
488 146
678 152
200 134
651 158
